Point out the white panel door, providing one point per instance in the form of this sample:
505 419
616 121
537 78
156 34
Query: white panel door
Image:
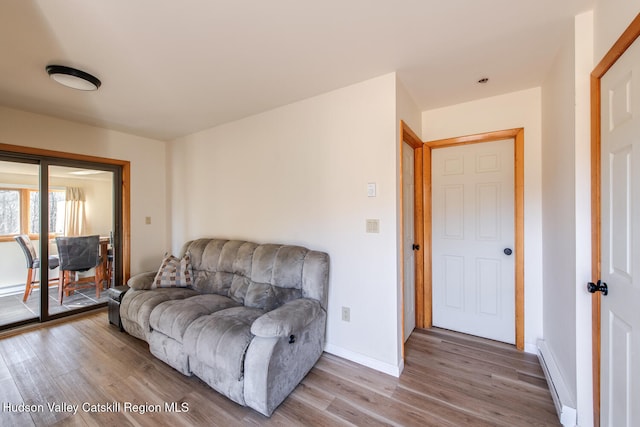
473 239
409 268
620 210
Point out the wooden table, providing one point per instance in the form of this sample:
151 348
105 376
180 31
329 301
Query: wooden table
101 271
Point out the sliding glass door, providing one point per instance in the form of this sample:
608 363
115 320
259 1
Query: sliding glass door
19 301
81 204
42 233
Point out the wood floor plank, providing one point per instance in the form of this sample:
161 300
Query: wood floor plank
519 387
493 380
316 397
300 414
351 414
394 411
81 386
453 414
77 421
13 416
37 387
449 380
446 361
365 377
469 351
476 342
60 358
5 373
509 410
15 350
204 411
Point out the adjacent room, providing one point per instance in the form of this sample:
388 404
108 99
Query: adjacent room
340 213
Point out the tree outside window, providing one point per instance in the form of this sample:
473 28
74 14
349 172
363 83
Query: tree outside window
9 212
20 211
56 212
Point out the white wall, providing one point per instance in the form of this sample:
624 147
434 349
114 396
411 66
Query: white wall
559 212
408 111
584 63
148 171
513 110
298 174
559 194
611 18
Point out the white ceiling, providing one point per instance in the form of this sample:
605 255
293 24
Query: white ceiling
171 68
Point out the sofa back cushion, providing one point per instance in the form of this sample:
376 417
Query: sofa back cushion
258 276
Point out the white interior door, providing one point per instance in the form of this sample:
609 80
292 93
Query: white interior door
473 239
408 207
620 309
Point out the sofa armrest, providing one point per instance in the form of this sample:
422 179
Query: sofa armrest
274 366
286 319
142 281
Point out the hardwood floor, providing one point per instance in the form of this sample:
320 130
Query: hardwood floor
449 380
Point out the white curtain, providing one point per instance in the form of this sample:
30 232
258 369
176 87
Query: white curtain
74 214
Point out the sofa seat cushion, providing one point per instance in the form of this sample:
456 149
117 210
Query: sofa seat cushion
220 340
137 305
172 318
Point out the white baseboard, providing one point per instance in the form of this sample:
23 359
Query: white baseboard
365 361
565 407
530 348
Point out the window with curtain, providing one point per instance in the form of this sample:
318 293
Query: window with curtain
75 220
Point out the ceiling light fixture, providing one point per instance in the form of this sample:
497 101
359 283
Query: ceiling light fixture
85 172
73 78
483 80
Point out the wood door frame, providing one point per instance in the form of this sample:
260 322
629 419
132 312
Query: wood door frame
126 190
630 34
426 293
409 136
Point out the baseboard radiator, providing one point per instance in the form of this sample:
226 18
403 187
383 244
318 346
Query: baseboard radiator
561 398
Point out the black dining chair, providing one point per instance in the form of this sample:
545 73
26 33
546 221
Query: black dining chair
33 263
79 254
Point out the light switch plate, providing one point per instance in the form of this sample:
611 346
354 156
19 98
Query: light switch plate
371 189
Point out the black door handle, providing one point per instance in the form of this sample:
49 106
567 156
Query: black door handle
507 251
415 247
598 287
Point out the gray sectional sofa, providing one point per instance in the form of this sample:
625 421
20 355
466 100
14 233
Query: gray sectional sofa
251 325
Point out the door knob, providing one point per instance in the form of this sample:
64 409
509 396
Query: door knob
598 287
415 247
508 251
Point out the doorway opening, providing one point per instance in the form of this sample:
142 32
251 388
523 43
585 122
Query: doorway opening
424 232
